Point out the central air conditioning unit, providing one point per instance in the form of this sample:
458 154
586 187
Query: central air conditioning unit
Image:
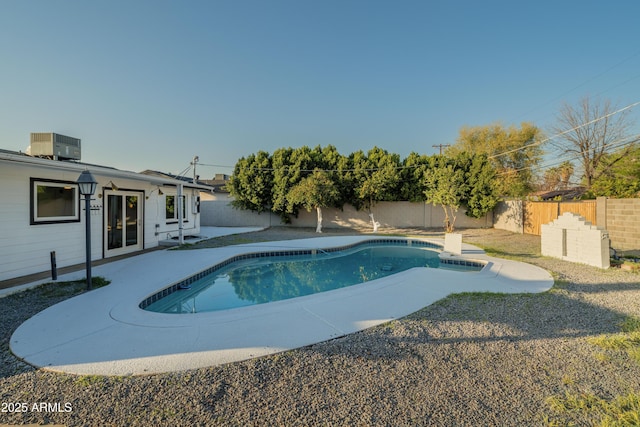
56 146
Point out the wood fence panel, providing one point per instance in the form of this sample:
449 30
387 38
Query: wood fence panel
538 213
587 209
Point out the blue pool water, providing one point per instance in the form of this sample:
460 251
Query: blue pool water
274 278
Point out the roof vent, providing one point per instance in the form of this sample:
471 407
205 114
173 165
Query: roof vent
55 146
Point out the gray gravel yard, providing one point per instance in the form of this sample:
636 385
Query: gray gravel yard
470 359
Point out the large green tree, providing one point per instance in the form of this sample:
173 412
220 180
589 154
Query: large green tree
463 180
291 179
375 178
412 177
251 183
290 166
337 168
514 152
482 189
620 176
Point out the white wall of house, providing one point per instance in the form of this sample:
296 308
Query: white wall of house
25 246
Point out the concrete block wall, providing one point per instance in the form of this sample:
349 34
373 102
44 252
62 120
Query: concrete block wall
623 223
389 214
220 213
572 238
509 215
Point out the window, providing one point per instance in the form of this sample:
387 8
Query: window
172 208
54 201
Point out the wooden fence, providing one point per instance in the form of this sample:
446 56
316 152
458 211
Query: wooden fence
538 213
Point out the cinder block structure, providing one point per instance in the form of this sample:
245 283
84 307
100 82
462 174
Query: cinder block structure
572 238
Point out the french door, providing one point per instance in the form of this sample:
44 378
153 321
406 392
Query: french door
122 222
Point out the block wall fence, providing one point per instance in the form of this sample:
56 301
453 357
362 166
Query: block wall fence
620 217
389 214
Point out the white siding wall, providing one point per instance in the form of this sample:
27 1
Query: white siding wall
25 248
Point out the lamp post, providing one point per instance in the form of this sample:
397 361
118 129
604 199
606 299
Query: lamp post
87 184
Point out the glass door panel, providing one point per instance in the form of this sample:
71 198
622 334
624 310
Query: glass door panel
122 222
132 220
114 221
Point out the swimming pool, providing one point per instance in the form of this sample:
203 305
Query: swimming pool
70 336
259 278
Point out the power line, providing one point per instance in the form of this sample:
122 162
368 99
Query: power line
287 168
435 145
618 144
589 80
564 132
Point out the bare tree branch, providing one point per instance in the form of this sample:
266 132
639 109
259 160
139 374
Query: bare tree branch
591 130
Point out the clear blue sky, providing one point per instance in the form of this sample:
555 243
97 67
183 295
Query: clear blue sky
150 84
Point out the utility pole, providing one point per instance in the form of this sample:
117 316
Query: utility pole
195 161
441 146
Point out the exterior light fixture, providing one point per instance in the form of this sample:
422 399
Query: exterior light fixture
87 186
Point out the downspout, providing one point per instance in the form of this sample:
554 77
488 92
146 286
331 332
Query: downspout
180 218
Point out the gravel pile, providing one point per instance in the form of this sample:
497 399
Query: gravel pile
471 359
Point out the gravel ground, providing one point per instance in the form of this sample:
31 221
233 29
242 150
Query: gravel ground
470 359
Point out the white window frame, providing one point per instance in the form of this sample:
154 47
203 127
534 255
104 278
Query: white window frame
185 211
74 217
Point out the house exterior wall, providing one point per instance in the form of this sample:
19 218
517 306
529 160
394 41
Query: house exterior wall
25 248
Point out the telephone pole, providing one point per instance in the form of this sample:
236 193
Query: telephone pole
441 146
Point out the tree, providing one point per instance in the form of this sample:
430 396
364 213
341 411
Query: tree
513 151
445 186
290 166
375 178
622 179
551 179
251 182
482 192
466 180
590 132
316 191
336 165
412 177
558 177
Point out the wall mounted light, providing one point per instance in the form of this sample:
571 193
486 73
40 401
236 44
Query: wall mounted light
160 193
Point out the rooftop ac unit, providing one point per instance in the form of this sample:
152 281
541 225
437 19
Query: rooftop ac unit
59 147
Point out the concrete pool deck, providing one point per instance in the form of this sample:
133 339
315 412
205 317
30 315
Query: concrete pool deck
104 332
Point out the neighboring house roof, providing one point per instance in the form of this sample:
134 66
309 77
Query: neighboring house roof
219 185
202 184
567 194
17 157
